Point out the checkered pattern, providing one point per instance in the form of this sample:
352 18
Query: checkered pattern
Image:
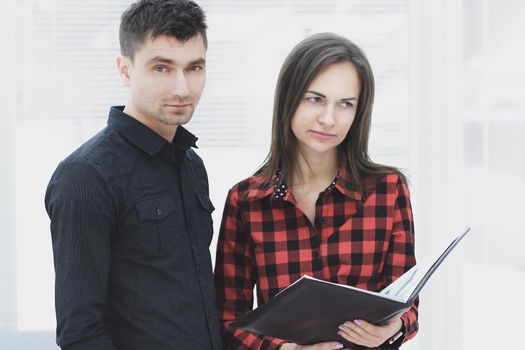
266 240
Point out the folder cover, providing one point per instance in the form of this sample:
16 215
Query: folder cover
310 310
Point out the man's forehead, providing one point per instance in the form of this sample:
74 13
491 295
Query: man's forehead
169 47
167 41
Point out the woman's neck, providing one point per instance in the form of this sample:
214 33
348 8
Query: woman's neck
315 170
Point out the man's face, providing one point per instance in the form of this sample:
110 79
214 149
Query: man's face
165 80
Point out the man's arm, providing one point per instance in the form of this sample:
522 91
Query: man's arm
80 206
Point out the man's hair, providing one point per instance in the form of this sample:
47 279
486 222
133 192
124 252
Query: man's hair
148 19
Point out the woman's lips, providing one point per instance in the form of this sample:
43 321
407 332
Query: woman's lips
322 135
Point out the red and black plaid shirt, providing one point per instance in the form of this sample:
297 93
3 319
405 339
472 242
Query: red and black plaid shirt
266 240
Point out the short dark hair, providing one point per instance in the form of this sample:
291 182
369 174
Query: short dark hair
148 19
306 60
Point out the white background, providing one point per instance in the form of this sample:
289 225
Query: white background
450 111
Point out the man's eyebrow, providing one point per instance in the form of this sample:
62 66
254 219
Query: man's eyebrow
197 61
323 96
160 59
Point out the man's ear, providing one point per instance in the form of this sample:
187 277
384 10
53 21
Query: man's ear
124 68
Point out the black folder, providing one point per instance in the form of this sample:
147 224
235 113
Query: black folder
310 310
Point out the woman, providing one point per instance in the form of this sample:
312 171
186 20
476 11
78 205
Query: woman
318 206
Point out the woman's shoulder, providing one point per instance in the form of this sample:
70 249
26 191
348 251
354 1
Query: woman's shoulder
390 182
393 177
252 187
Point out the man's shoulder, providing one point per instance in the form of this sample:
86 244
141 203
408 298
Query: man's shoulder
193 157
103 152
85 151
196 164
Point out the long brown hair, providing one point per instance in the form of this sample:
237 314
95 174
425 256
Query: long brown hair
306 60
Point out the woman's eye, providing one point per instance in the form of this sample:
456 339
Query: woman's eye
346 104
313 99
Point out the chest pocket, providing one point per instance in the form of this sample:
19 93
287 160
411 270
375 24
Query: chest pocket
203 217
157 222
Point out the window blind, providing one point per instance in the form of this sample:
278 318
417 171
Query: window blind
67 71
66 75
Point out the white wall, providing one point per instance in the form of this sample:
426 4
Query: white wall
7 159
449 110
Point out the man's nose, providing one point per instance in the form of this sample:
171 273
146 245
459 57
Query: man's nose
180 85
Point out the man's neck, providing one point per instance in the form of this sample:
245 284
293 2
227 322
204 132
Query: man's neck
167 132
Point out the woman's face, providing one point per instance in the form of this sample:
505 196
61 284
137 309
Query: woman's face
327 109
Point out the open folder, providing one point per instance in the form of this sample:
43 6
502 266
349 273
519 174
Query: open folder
310 310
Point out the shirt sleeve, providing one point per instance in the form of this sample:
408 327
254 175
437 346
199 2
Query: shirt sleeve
234 280
401 255
81 209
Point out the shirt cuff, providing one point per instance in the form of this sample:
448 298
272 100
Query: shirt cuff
398 341
276 343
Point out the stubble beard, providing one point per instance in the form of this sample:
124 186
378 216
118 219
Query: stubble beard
173 119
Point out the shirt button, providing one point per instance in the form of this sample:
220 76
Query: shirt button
159 212
315 254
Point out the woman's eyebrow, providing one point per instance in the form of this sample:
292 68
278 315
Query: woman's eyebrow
316 93
323 96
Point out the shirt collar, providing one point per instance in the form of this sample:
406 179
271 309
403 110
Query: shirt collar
142 136
342 183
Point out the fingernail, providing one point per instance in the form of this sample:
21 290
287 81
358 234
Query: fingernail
357 322
339 346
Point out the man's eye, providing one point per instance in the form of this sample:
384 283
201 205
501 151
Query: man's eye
195 68
160 69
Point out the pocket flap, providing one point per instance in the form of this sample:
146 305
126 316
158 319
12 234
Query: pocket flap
155 208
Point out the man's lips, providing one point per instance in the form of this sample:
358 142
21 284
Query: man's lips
179 105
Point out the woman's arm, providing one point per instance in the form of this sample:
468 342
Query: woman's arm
401 255
399 259
235 279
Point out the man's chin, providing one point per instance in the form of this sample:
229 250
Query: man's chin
174 120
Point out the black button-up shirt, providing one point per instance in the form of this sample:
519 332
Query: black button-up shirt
131 227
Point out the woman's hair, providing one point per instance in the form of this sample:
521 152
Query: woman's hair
301 66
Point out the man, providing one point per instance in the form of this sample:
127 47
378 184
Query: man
130 212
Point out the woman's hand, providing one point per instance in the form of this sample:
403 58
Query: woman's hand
363 333
331 345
